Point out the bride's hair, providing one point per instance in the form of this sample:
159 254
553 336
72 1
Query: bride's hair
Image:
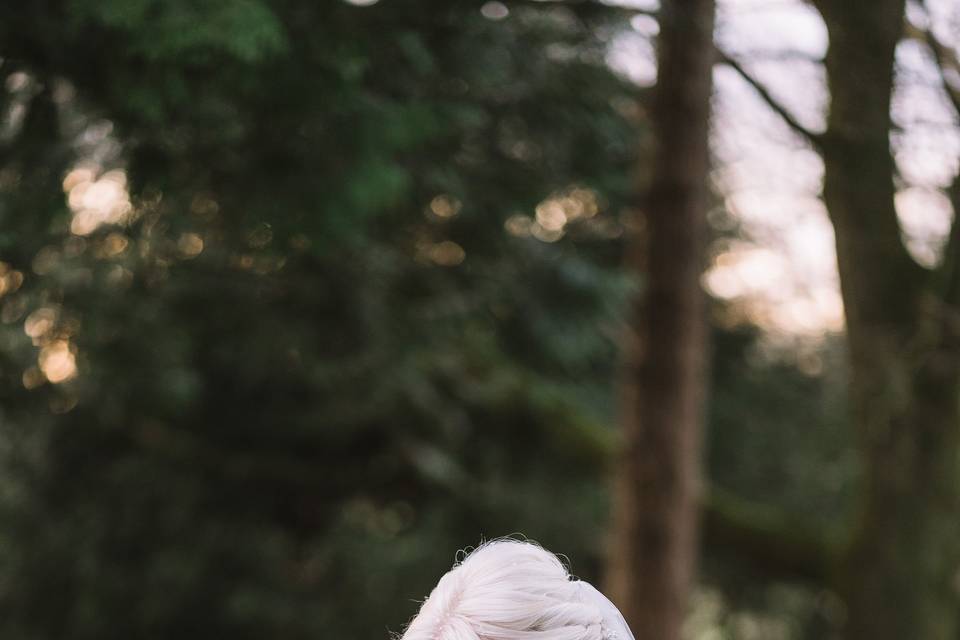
512 590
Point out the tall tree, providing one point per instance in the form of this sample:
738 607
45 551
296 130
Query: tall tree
655 538
902 323
896 569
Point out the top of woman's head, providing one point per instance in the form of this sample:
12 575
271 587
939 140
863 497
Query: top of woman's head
512 590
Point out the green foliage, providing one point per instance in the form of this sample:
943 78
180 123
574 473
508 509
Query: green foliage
791 401
245 29
778 443
311 363
324 350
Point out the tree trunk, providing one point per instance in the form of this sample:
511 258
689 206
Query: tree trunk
657 490
899 577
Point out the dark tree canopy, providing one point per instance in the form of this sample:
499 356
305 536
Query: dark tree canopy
325 340
297 297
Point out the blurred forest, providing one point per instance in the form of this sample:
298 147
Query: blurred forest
299 298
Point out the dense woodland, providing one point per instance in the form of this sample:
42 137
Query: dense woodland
298 298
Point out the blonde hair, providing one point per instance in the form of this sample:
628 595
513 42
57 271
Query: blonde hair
512 590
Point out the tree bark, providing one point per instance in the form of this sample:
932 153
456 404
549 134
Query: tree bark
653 554
898 578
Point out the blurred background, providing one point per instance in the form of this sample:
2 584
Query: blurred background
299 298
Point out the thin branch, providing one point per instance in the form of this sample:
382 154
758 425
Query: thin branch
945 58
785 55
814 138
594 7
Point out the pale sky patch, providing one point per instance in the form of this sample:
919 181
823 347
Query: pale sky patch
784 270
